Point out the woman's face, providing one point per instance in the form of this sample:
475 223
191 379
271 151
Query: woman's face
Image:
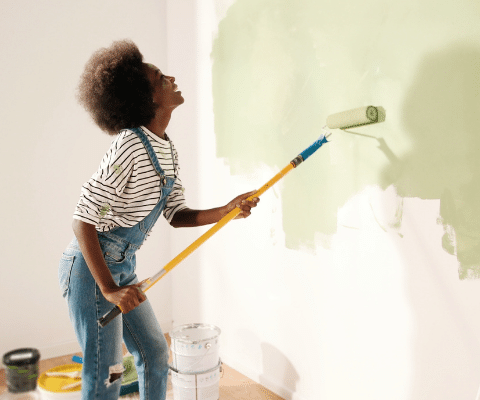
165 93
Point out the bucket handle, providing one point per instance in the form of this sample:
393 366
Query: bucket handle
219 365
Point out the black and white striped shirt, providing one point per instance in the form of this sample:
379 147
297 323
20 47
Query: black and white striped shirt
126 188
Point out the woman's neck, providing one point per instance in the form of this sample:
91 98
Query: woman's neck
158 125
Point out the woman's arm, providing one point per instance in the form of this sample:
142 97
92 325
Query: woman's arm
190 218
126 297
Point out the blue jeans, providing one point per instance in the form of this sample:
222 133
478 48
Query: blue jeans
139 329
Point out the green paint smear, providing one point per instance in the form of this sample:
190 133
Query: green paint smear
442 116
280 66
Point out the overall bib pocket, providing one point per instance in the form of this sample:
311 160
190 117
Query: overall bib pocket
64 272
113 250
114 257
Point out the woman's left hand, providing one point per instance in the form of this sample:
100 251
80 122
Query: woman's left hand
242 203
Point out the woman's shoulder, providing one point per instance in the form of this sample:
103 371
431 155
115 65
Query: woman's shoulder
126 134
125 139
123 147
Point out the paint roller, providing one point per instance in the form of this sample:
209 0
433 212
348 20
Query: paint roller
356 117
346 119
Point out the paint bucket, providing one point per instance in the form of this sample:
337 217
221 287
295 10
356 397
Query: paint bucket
195 348
51 387
197 386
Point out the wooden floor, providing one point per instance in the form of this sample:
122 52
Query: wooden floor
233 385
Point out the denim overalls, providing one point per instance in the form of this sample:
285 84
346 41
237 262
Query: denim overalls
139 329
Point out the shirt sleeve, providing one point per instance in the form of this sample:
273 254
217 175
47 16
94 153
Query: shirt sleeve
100 194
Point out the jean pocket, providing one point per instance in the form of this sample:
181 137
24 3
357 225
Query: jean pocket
64 272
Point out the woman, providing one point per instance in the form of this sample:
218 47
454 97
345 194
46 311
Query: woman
137 180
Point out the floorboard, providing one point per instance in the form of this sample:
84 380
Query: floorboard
233 385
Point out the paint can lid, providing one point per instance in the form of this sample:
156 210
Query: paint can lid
59 384
18 357
194 333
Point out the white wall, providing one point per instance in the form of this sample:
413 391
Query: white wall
372 308
50 147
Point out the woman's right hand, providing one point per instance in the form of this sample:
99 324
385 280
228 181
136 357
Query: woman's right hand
126 297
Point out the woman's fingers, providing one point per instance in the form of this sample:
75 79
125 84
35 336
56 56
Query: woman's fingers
246 207
129 297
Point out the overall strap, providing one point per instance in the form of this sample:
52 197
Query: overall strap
151 153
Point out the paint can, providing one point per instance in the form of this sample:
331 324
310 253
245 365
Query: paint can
197 386
53 387
195 348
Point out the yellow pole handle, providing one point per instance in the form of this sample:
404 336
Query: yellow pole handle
148 283
214 229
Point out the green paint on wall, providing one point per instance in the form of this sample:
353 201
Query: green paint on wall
281 67
441 114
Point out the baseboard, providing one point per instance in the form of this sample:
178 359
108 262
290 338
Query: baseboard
263 380
59 350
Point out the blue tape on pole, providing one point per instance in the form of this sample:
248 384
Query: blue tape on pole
313 148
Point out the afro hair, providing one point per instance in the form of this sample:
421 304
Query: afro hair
115 90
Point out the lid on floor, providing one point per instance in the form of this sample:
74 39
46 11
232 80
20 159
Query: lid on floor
56 384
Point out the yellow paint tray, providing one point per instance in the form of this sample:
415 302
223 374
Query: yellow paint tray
56 383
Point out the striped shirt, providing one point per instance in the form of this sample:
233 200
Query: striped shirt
126 188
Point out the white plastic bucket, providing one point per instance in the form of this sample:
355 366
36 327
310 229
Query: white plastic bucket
200 386
195 347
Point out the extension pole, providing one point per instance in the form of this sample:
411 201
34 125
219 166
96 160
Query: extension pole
219 225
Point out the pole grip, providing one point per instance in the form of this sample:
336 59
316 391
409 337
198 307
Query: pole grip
108 317
313 148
